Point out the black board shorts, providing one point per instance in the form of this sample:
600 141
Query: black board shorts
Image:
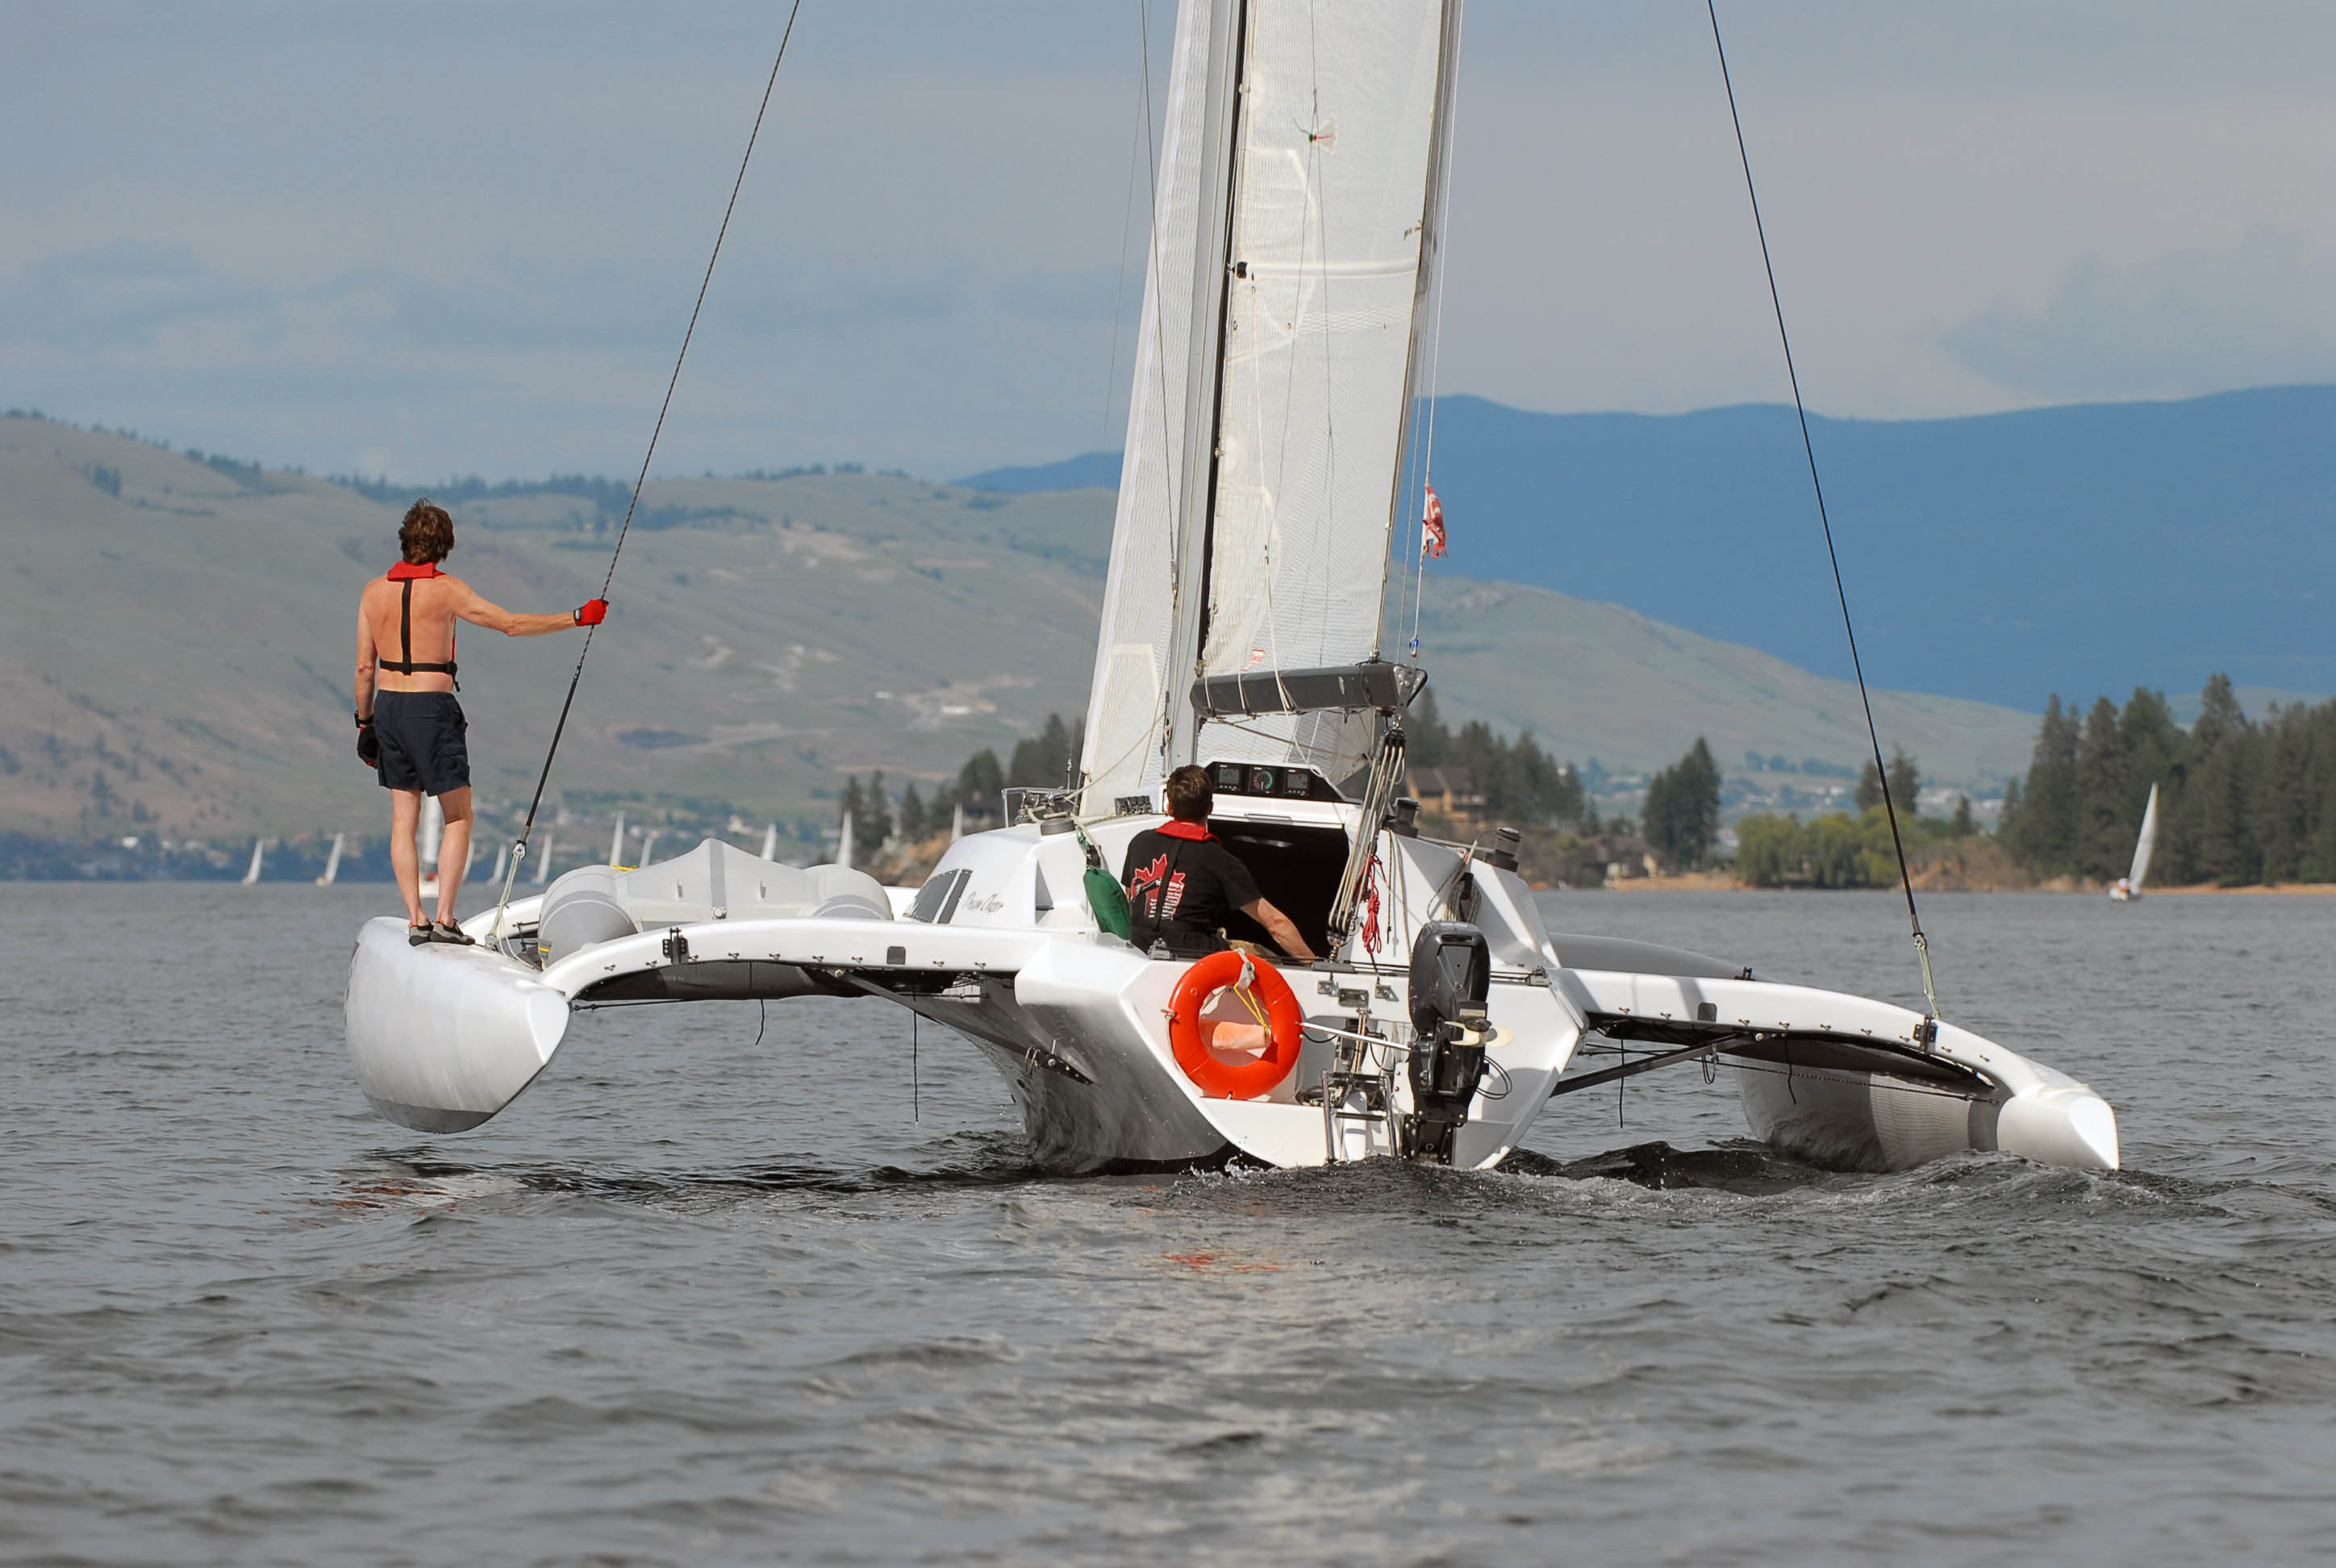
424 741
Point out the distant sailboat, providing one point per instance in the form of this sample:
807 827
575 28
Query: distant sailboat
957 822
251 874
844 842
503 858
617 845
544 866
2128 886
648 844
770 842
433 826
332 863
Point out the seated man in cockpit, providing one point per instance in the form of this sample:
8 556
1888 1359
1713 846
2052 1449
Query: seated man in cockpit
1182 885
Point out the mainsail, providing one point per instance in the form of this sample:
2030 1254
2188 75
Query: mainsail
1291 263
2146 845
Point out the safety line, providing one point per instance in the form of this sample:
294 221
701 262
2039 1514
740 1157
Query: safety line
527 829
1905 878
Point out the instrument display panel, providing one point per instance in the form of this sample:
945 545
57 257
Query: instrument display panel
1270 781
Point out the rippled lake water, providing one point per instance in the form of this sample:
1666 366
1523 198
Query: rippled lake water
695 1299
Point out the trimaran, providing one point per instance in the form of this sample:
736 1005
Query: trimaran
1272 446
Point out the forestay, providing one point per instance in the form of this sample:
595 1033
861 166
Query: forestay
1292 252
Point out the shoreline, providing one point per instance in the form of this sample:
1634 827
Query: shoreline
1715 882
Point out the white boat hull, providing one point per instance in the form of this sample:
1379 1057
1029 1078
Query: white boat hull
442 1038
1076 1022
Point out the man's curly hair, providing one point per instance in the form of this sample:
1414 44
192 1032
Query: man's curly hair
427 534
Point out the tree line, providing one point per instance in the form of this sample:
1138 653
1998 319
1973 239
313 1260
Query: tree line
1846 850
2239 800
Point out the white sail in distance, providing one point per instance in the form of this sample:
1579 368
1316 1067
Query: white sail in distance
2146 845
1289 273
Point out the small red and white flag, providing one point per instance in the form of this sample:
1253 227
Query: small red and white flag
1431 526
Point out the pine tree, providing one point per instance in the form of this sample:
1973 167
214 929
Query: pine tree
2104 838
1682 809
2048 808
913 827
1965 824
1869 788
2214 804
980 784
1425 742
876 827
1905 783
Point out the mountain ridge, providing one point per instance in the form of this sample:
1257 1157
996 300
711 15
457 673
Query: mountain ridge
2080 547
176 640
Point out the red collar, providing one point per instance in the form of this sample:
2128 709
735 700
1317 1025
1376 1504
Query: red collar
406 572
1176 827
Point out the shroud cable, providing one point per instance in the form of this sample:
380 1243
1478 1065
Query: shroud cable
1890 807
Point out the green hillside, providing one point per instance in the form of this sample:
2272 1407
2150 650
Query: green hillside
176 640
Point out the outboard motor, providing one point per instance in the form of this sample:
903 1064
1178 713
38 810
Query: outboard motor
1451 974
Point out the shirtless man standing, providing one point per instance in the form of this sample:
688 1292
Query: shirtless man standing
410 728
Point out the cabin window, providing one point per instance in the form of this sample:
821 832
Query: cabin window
937 900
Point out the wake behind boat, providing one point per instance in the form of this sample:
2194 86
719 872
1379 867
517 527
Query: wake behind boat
1287 326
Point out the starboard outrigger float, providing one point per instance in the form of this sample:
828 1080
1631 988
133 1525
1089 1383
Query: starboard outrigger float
1288 323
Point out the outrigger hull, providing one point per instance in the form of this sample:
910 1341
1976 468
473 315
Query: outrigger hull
1854 1084
442 1038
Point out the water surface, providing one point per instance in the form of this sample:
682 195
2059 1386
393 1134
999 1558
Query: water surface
698 1298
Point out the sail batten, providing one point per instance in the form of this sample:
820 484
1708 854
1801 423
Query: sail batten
1287 281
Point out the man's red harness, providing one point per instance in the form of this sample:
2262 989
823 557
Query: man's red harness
1178 828
407 573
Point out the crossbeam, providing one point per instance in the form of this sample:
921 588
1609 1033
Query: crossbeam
1632 1070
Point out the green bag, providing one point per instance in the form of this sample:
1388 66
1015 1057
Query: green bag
1106 898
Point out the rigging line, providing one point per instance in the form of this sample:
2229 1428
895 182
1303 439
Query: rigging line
1435 349
1809 447
527 829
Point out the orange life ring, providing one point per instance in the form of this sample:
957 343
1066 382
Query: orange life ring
1285 1025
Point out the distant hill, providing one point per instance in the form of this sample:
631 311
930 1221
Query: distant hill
2081 550
176 638
1088 471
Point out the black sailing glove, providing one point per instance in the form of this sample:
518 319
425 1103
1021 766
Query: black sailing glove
369 743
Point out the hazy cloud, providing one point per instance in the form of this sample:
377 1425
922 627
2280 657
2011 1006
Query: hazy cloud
470 235
2261 312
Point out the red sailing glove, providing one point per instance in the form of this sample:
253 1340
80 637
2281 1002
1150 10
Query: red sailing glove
592 612
368 741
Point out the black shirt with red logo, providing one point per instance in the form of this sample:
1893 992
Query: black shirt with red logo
1182 886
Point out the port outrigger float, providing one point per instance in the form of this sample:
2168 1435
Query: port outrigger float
1291 293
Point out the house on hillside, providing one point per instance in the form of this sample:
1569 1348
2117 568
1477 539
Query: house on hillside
1450 791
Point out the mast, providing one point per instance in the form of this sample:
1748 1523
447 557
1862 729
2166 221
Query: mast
1203 380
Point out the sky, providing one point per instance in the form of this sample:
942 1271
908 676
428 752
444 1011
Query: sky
428 239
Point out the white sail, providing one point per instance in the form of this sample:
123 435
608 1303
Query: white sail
956 823
544 866
251 872
2146 845
648 845
617 843
503 858
1292 252
770 842
331 864
843 846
